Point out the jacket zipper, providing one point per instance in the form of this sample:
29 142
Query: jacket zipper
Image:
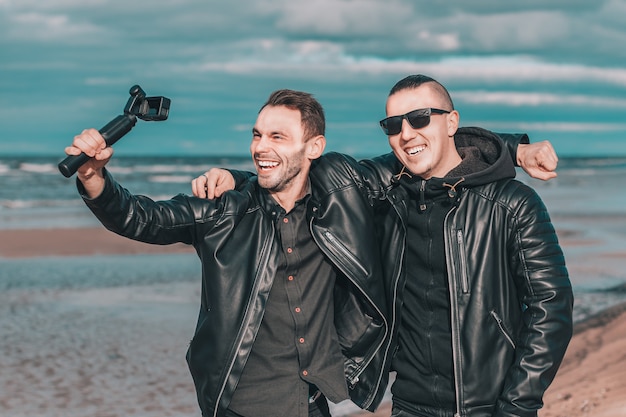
333 241
460 240
454 323
422 201
394 300
344 251
500 323
246 322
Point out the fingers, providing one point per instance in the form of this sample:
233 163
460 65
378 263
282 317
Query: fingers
220 189
549 157
218 182
539 160
541 166
198 186
213 183
212 186
541 174
91 142
71 150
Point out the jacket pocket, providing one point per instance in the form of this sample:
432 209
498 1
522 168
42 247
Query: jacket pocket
503 330
348 257
356 328
461 263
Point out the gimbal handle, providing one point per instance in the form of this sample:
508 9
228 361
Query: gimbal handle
111 133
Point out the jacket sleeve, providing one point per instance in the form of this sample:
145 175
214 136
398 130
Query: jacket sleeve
140 218
512 141
381 173
374 177
542 279
241 177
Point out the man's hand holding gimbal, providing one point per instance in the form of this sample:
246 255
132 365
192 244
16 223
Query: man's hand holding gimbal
90 174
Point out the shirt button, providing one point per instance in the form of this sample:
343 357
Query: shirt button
289 250
290 277
301 340
285 220
297 309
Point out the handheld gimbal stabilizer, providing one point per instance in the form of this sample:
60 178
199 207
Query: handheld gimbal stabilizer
138 105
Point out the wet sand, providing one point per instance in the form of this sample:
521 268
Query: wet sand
120 351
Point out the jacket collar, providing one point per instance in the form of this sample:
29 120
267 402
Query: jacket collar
267 202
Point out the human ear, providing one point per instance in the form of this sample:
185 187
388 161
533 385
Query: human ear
453 122
315 147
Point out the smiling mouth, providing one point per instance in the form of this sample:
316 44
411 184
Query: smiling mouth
415 150
266 165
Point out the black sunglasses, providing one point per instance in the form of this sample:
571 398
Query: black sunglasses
416 118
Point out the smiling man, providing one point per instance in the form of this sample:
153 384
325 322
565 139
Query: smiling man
425 154
484 302
288 316
282 164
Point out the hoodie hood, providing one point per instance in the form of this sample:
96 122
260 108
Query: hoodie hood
484 159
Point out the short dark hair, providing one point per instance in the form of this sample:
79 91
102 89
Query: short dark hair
311 111
414 81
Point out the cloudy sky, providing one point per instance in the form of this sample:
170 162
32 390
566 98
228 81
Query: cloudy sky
555 69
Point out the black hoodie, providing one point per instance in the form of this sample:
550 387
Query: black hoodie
425 343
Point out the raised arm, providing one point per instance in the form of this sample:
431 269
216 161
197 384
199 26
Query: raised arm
134 216
538 160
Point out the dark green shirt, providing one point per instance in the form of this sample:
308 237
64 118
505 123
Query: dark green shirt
296 347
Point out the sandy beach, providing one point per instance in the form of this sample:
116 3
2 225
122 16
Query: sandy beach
120 350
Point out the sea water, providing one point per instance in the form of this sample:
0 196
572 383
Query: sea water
585 202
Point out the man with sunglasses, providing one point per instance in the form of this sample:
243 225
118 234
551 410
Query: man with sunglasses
479 295
484 301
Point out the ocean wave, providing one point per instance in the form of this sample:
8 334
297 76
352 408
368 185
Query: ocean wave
40 168
182 179
47 203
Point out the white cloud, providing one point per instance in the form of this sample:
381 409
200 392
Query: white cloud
533 99
556 126
51 27
107 81
556 30
323 60
513 69
343 18
525 31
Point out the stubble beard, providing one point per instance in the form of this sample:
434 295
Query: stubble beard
281 181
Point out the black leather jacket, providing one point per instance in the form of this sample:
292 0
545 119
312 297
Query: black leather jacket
234 238
510 294
518 331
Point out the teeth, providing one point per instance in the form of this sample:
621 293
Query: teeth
267 164
416 150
